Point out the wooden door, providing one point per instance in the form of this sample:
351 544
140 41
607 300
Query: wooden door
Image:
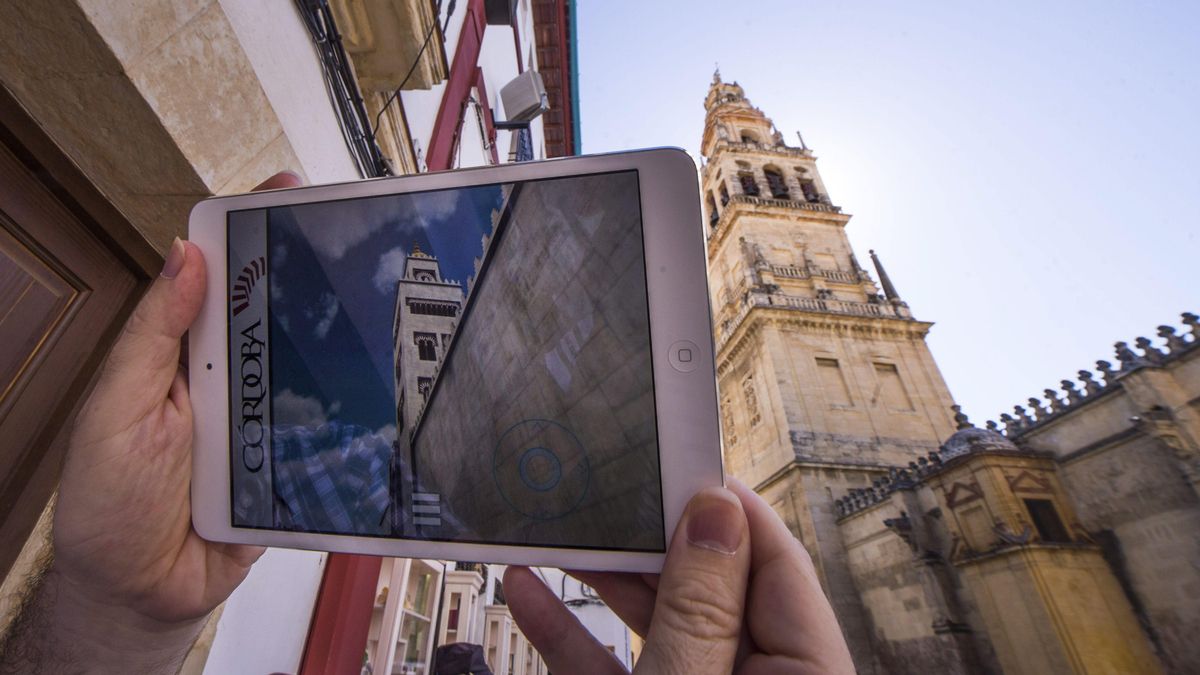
71 269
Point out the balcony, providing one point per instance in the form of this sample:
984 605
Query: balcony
798 272
870 310
779 150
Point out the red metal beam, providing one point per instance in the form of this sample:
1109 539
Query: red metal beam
458 87
341 623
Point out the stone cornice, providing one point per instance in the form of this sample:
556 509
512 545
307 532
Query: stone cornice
742 205
814 321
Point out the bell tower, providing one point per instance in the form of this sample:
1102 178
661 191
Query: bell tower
825 378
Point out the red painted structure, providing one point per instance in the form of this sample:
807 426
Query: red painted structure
341 623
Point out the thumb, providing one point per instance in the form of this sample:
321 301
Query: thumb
702 592
145 358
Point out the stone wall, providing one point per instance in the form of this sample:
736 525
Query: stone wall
552 353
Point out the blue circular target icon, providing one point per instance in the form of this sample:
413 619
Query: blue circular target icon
541 469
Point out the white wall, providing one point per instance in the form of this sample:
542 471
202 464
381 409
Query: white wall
265 622
280 49
600 621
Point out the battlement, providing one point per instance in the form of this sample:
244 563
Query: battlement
1038 412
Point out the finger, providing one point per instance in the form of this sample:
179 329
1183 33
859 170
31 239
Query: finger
565 645
283 179
627 595
701 593
143 361
789 617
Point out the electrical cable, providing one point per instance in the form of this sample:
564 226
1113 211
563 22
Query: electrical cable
342 89
416 61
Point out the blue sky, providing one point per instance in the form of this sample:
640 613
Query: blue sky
1027 171
333 276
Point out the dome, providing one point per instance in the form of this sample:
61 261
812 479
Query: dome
973 439
970 438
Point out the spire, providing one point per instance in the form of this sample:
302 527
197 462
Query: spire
717 73
889 291
417 252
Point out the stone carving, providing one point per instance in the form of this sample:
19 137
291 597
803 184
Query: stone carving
1022 415
1011 424
992 426
1128 358
1175 343
1193 322
1073 394
1106 369
1090 385
960 418
727 421
751 400
1149 352
1055 404
1039 412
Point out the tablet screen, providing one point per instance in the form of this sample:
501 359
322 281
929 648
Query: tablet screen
469 365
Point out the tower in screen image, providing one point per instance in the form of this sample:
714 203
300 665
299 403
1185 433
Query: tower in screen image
427 310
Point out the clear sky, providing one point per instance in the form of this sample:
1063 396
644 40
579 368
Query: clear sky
1026 170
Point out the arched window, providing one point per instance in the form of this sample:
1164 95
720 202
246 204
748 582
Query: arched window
426 346
724 194
712 209
749 137
807 186
749 184
776 184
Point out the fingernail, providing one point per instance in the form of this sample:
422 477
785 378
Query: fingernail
715 522
174 261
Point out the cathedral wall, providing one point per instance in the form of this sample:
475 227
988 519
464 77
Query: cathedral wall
859 399
803 497
896 583
1133 499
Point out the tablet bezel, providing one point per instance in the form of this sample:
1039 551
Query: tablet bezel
685 402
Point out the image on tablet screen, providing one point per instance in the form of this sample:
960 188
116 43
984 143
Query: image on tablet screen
468 365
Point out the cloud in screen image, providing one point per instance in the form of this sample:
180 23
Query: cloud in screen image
333 273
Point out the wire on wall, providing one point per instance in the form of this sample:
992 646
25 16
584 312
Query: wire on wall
437 12
343 91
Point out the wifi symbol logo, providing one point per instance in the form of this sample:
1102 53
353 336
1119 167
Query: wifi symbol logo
250 275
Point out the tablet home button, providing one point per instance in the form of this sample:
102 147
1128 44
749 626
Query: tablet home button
684 356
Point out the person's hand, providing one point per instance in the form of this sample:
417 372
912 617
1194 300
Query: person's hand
738 594
126 559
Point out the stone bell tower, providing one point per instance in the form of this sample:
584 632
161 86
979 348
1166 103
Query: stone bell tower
825 380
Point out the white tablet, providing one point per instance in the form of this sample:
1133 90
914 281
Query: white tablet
510 364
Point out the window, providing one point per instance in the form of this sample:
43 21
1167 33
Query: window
713 216
833 383
424 275
724 195
424 384
749 184
426 346
749 137
775 183
809 189
730 427
890 389
432 307
1045 519
751 401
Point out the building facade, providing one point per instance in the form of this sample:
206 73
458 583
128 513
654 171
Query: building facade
942 547
116 119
